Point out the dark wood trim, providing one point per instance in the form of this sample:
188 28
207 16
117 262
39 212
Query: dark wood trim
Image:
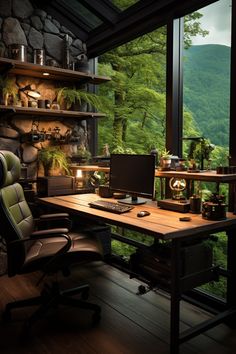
232 129
174 87
43 112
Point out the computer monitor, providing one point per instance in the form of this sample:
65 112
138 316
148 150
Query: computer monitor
133 175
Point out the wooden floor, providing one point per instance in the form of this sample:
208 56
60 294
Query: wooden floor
130 324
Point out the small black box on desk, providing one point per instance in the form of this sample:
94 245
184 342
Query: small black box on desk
182 206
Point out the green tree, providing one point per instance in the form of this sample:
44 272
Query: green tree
136 113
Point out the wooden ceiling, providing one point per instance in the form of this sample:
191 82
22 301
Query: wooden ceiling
103 26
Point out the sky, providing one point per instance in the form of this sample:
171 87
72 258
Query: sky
217 20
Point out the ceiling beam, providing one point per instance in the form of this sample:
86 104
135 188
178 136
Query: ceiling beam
143 17
103 9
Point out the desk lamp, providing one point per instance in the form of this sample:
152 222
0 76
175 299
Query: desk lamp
177 185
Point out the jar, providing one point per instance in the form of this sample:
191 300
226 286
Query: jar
39 56
18 52
55 105
195 204
33 104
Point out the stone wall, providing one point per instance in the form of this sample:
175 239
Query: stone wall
21 23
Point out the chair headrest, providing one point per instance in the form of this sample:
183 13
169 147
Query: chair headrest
10 168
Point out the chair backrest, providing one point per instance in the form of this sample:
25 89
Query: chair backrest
16 218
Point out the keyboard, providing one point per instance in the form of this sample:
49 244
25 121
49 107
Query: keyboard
110 206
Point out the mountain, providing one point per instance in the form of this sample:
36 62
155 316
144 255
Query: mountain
207 89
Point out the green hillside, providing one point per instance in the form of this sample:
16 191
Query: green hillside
207 89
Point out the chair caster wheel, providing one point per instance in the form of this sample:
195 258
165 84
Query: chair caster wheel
142 289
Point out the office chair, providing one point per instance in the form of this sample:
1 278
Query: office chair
31 248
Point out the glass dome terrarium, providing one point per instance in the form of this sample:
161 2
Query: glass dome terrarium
177 186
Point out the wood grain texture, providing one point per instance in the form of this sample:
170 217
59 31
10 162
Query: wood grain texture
160 223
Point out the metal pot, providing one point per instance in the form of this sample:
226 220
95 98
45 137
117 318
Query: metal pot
18 52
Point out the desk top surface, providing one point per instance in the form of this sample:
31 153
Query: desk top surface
160 223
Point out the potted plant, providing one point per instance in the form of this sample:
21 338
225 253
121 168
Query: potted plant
74 98
165 160
8 90
81 155
53 158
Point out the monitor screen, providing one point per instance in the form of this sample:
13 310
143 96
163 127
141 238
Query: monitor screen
133 175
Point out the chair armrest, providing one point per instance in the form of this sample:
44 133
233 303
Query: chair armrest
12 250
50 221
48 233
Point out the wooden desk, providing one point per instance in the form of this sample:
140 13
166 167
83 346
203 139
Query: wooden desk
167 226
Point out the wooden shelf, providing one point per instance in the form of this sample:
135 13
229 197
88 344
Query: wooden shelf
34 70
22 111
208 176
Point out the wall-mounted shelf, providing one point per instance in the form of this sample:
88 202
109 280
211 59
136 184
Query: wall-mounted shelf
22 111
16 67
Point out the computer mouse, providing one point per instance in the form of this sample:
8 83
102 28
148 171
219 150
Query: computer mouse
140 214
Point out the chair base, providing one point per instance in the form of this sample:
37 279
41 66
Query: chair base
52 296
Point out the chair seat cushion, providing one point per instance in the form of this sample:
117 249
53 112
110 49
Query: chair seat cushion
83 249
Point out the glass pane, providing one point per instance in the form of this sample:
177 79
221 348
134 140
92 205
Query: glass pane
75 7
124 4
206 70
207 84
136 96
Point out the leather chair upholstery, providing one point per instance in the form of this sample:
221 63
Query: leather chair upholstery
30 247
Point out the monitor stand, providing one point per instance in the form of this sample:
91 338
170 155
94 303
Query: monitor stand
132 200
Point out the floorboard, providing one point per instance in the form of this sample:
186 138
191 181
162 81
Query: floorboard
130 324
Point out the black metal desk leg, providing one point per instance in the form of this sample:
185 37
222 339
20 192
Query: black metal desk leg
231 288
175 297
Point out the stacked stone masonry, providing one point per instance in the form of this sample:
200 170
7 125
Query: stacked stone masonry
21 23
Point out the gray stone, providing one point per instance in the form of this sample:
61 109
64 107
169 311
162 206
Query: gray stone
54 46
26 20
75 51
13 32
65 30
23 125
56 23
9 144
78 44
37 23
32 169
29 154
26 28
7 132
22 8
35 39
5 8
42 14
2 49
83 124
50 27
